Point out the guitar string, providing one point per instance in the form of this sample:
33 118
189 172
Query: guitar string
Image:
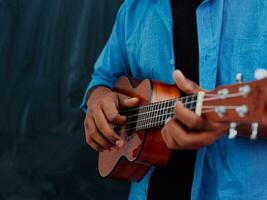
159 109
167 101
164 101
161 112
164 118
211 98
170 107
169 112
152 118
189 102
166 115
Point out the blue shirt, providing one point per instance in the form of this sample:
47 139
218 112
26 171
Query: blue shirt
232 38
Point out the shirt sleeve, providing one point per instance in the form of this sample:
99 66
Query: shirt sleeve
112 62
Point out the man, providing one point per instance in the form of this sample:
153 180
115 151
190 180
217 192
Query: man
232 38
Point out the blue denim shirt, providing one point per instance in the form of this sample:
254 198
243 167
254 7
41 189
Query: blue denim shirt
232 37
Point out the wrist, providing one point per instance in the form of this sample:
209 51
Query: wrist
96 93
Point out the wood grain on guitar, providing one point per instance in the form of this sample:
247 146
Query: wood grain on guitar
243 105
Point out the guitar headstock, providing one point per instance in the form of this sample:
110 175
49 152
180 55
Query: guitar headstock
241 103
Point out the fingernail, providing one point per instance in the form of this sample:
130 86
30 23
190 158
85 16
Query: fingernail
167 120
129 100
134 99
119 143
178 103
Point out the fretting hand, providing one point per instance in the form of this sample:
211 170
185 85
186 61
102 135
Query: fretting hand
186 130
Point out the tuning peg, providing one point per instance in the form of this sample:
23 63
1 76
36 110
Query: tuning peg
242 110
254 130
232 130
260 74
239 77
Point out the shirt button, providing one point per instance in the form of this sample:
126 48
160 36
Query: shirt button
172 61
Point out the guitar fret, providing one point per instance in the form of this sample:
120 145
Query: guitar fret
149 116
155 114
146 110
159 115
189 104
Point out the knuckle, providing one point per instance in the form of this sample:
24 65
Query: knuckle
168 126
195 123
167 138
110 136
86 122
100 103
93 134
88 140
176 111
163 130
113 116
101 128
171 145
95 109
113 95
107 133
183 142
168 145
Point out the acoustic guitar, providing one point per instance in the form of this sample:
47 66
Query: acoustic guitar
242 105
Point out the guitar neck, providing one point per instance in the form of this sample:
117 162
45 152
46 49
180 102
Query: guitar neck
155 114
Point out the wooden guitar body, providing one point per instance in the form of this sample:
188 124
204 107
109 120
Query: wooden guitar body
142 148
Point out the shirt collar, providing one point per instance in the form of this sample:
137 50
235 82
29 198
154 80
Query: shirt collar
163 8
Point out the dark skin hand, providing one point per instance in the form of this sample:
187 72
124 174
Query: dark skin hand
185 130
103 107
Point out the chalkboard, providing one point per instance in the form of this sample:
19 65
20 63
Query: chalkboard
47 52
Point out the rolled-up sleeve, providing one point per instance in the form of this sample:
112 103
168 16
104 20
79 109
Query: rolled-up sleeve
112 62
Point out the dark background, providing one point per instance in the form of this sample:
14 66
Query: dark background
47 52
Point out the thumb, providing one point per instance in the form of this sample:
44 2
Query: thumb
128 102
184 84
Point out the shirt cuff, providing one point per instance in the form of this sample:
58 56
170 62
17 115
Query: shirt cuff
94 83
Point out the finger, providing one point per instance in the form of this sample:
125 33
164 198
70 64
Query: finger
194 122
94 144
184 84
128 102
104 127
112 114
169 141
187 117
89 140
176 137
201 139
96 136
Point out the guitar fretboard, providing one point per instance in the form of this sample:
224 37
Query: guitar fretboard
155 114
